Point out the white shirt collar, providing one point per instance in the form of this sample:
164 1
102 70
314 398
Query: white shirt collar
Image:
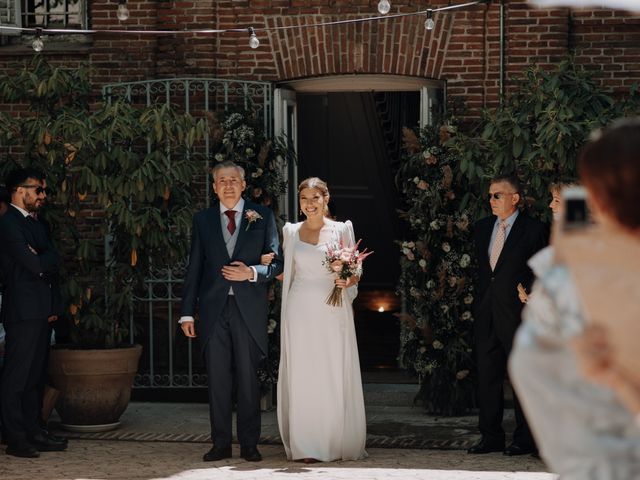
510 220
21 210
238 207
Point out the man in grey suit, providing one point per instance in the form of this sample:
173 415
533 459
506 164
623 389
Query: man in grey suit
229 286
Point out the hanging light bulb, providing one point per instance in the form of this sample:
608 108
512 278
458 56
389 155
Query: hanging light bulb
429 24
38 43
123 11
384 6
253 39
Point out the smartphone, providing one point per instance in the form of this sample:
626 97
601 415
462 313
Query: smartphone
576 210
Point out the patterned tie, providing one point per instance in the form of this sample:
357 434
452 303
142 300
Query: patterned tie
498 243
231 226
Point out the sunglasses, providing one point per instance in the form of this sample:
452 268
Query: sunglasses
499 195
38 189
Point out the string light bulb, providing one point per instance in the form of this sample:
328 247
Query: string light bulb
38 43
123 11
384 6
429 24
253 39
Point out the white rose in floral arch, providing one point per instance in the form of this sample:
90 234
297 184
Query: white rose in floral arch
219 157
435 225
431 284
422 263
446 247
466 315
444 308
422 349
468 299
462 374
437 345
465 261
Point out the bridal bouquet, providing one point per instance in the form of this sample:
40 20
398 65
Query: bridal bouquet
344 262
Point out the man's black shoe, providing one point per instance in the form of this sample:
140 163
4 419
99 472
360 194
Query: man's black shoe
250 454
216 454
56 438
45 443
485 446
516 449
23 450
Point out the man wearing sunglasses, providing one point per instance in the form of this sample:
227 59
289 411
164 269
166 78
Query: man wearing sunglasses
29 265
504 242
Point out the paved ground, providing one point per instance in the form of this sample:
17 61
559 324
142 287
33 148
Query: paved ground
388 427
167 441
91 459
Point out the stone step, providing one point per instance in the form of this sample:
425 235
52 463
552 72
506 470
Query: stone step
389 394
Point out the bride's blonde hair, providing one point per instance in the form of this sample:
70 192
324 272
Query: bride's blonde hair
317 184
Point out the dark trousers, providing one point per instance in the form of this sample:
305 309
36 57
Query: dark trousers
25 353
492 355
231 349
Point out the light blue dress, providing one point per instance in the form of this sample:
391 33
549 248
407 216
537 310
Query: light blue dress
582 430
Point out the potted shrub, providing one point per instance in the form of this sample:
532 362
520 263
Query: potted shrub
122 205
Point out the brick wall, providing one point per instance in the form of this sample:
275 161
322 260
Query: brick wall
463 49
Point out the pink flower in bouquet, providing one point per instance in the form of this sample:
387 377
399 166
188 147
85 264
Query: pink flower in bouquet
345 262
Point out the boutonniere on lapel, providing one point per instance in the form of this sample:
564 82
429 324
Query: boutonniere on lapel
251 216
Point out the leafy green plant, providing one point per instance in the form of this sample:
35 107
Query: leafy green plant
540 128
121 176
536 133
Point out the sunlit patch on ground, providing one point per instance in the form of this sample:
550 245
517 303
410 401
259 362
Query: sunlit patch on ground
356 473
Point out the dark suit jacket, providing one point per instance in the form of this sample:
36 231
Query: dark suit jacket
497 304
28 276
204 285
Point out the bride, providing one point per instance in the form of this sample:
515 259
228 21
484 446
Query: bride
320 401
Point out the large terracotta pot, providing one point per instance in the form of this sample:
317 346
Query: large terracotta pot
95 385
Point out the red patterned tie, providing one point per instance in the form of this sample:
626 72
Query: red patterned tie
231 214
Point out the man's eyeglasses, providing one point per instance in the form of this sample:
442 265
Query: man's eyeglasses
38 189
499 195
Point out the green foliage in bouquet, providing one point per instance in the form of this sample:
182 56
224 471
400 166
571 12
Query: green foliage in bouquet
122 181
536 133
240 137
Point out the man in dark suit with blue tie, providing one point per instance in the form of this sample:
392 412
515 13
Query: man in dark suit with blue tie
229 286
29 264
504 242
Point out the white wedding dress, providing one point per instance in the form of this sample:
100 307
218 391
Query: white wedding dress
320 401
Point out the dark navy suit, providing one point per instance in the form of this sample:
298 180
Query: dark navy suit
28 301
232 328
497 313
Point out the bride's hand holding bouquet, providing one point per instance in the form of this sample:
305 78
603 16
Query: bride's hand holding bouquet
346 264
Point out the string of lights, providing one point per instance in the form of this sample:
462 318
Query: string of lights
123 14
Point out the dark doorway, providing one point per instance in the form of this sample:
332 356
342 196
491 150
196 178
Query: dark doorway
353 141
